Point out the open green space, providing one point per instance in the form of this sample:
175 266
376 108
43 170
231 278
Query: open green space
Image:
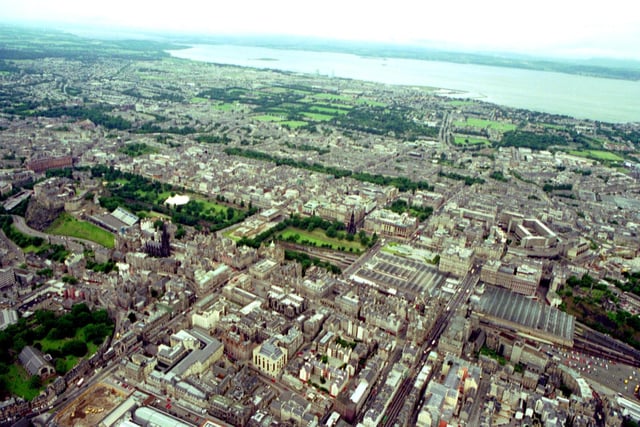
332 97
137 149
67 225
66 338
139 194
225 106
212 207
400 206
370 102
318 238
328 110
470 140
484 124
597 155
198 100
317 116
268 118
293 124
18 382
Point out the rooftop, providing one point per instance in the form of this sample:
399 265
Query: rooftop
503 304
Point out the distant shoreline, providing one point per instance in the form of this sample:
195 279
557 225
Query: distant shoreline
582 97
601 68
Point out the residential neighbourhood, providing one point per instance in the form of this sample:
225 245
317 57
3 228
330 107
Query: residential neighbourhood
318 270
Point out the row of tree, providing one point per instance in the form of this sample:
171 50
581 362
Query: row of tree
138 193
401 183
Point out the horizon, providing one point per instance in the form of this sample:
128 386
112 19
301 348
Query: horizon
559 31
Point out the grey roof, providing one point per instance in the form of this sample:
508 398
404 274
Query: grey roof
197 356
32 360
399 272
516 308
8 317
124 216
271 350
147 416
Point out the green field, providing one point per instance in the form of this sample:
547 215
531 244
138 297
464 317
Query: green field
459 103
371 102
319 238
318 116
198 100
294 123
268 118
484 124
332 96
66 225
470 140
597 155
212 208
328 110
18 382
226 106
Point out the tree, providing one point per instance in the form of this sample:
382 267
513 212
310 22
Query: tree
61 366
180 232
132 317
331 232
75 347
35 382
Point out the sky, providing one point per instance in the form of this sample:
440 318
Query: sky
564 28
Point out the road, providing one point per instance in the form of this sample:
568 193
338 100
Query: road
14 251
355 266
467 284
22 226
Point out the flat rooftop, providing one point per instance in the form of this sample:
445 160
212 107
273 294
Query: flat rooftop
404 274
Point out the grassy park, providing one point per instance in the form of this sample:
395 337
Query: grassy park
470 140
319 238
67 225
485 124
605 156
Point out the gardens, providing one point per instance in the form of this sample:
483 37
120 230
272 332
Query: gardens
142 195
309 231
66 338
596 304
320 239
